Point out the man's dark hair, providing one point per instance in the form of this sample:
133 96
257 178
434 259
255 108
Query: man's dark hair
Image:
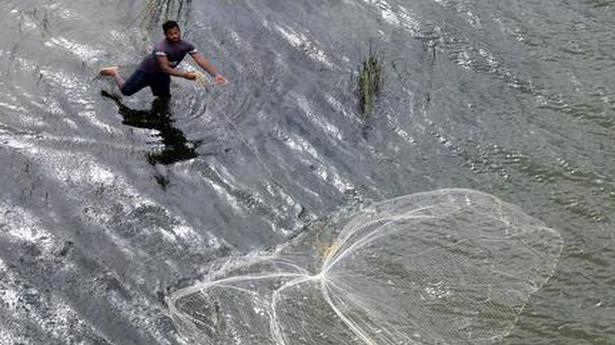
168 25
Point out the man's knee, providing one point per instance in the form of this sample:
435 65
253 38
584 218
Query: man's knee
127 91
136 82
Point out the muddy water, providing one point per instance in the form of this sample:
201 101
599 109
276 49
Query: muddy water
106 207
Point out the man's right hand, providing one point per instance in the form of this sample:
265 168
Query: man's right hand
190 75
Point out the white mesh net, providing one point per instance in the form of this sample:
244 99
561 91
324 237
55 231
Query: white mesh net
444 267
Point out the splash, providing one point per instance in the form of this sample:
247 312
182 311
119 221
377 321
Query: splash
445 267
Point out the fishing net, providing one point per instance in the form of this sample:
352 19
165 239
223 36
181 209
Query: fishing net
444 267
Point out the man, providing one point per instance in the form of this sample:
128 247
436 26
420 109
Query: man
157 68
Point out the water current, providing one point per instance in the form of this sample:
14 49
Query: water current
110 206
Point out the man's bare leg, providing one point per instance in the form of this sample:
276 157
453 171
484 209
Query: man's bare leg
113 72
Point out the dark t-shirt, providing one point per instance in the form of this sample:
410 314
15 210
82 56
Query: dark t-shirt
175 52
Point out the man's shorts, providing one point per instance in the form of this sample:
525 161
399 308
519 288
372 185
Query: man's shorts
159 83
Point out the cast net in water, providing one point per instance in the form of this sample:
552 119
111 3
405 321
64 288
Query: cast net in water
444 267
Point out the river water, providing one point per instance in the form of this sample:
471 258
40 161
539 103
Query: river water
104 213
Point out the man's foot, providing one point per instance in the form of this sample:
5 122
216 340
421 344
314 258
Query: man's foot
109 71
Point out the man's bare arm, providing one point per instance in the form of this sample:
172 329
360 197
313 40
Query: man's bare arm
163 61
202 61
204 64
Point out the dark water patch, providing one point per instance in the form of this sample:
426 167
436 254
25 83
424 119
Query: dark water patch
176 147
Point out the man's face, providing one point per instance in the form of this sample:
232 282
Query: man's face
173 34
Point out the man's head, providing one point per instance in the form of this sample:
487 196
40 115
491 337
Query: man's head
171 31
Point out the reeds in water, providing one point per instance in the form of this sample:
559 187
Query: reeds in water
368 82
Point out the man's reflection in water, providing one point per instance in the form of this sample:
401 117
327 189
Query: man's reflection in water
176 147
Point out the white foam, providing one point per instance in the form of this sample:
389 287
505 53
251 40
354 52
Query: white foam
302 42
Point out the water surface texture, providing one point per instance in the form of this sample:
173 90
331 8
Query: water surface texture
109 207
